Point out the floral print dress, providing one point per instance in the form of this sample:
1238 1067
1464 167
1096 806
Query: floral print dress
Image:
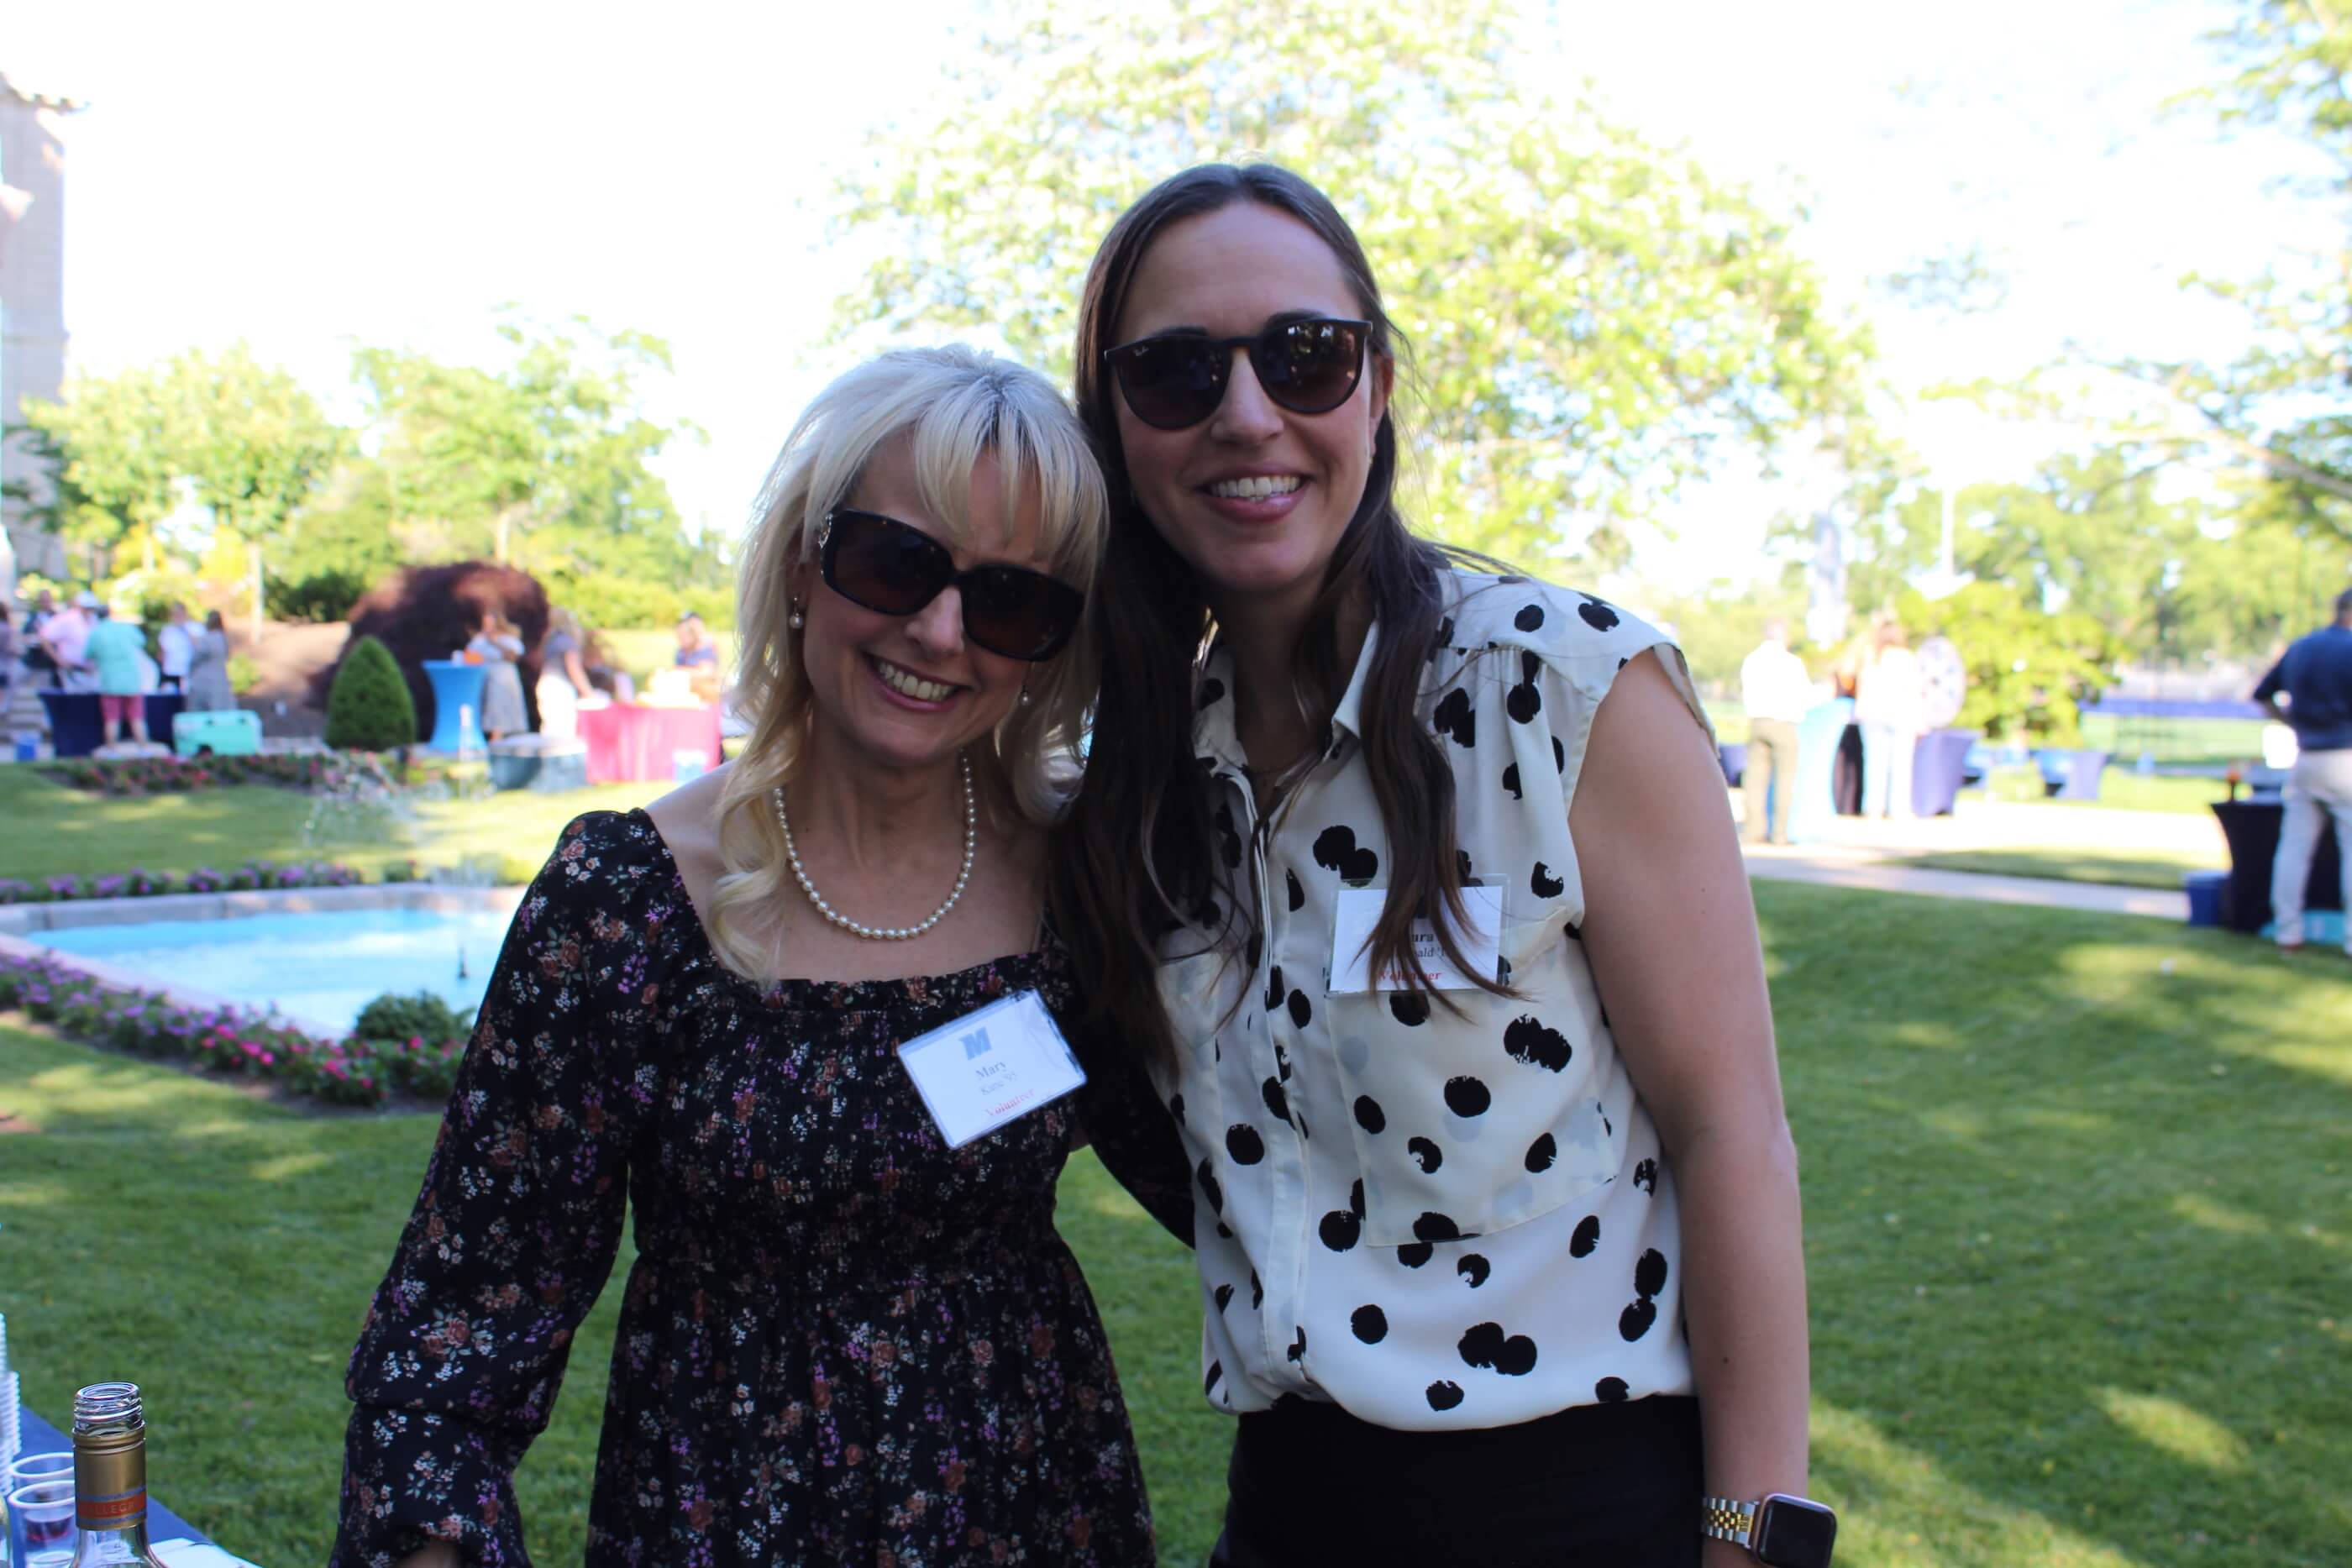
842 1342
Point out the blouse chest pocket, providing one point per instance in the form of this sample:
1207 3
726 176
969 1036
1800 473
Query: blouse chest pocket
1467 1123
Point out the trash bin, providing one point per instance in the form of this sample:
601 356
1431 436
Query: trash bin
2205 889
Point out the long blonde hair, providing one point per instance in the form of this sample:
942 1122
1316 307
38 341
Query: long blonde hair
955 405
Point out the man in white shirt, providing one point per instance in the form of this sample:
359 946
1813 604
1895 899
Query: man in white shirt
1776 691
177 644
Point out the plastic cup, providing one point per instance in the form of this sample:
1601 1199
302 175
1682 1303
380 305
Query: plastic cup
31 1467
41 1525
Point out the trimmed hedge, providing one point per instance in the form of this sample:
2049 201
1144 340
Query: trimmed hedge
369 707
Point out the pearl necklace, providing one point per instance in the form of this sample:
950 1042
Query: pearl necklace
886 932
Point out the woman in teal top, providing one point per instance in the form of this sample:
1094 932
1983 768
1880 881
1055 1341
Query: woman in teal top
115 648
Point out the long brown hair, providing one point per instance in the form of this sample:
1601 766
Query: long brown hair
1143 788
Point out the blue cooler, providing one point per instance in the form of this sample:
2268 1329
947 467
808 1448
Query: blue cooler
2205 889
226 732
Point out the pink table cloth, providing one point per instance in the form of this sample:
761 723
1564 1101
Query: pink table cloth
629 741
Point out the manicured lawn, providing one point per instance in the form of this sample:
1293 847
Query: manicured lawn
2077 1222
2176 740
2112 868
52 830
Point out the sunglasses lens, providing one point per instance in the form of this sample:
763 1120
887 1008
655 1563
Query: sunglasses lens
1020 614
1172 382
1309 367
885 565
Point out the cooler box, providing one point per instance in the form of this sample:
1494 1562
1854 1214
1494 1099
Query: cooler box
2206 889
514 762
226 732
562 765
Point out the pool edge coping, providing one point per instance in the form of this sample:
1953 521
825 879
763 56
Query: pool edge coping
15 944
75 914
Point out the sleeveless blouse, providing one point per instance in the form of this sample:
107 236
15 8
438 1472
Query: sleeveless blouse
1436 1220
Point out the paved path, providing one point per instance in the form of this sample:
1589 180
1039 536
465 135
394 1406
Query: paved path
1878 877
1867 853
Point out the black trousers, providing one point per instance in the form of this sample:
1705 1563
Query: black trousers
1613 1486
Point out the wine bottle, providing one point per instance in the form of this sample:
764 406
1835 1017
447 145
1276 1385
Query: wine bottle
109 1444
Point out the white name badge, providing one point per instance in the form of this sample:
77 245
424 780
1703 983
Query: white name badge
991 1066
1359 910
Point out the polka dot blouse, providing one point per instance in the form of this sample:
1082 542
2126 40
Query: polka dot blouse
1437 1221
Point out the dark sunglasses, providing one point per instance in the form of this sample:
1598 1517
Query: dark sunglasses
1177 380
894 568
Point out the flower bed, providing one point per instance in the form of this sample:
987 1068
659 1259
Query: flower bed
252 877
173 774
227 1041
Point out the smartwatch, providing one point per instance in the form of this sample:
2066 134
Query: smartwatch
1780 1532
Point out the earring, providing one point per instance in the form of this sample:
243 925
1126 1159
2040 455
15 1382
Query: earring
1025 698
796 619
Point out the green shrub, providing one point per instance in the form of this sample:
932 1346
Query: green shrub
419 1016
325 594
369 707
244 674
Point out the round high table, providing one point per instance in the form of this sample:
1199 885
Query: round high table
2252 827
456 704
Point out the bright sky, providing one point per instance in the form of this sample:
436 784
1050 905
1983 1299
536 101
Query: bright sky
308 177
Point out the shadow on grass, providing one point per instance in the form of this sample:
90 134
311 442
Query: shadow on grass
2075 1231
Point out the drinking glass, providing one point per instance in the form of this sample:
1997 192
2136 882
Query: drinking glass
41 1525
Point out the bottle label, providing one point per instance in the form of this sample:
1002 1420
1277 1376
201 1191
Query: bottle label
119 1511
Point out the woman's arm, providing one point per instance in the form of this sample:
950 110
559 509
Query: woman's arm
458 1362
576 672
1670 928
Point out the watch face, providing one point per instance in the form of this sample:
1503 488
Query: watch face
1792 1533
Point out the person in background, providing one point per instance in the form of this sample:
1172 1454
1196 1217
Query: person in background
2315 676
562 676
208 689
64 636
114 650
497 647
37 657
9 647
1776 691
1888 704
176 643
698 653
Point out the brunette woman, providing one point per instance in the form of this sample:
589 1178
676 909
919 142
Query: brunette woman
1440 946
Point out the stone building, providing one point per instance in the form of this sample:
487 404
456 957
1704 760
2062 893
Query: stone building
32 304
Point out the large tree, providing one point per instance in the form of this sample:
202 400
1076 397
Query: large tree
246 439
547 456
2277 413
1595 319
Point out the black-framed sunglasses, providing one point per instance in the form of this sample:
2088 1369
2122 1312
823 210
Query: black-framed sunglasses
895 569
1176 381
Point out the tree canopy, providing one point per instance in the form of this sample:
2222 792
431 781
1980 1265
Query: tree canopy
1595 320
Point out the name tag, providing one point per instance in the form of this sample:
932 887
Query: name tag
990 1067
1359 912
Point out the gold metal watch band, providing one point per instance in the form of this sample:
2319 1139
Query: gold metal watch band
1722 1519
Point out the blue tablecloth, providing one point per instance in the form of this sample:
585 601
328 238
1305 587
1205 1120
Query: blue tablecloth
40 1437
76 729
456 704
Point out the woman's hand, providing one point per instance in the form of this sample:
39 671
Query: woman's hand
432 1555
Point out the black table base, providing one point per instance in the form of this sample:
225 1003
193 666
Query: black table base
2253 829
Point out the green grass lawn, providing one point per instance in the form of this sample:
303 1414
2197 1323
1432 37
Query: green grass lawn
2175 740
2120 790
52 830
2110 868
2077 1228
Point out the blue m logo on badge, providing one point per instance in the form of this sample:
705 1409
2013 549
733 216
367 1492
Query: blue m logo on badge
975 1044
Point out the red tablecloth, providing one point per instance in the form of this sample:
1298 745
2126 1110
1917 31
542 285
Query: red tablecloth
629 741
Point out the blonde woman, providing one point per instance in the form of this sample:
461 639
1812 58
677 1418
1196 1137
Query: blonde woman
562 676
772 1011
